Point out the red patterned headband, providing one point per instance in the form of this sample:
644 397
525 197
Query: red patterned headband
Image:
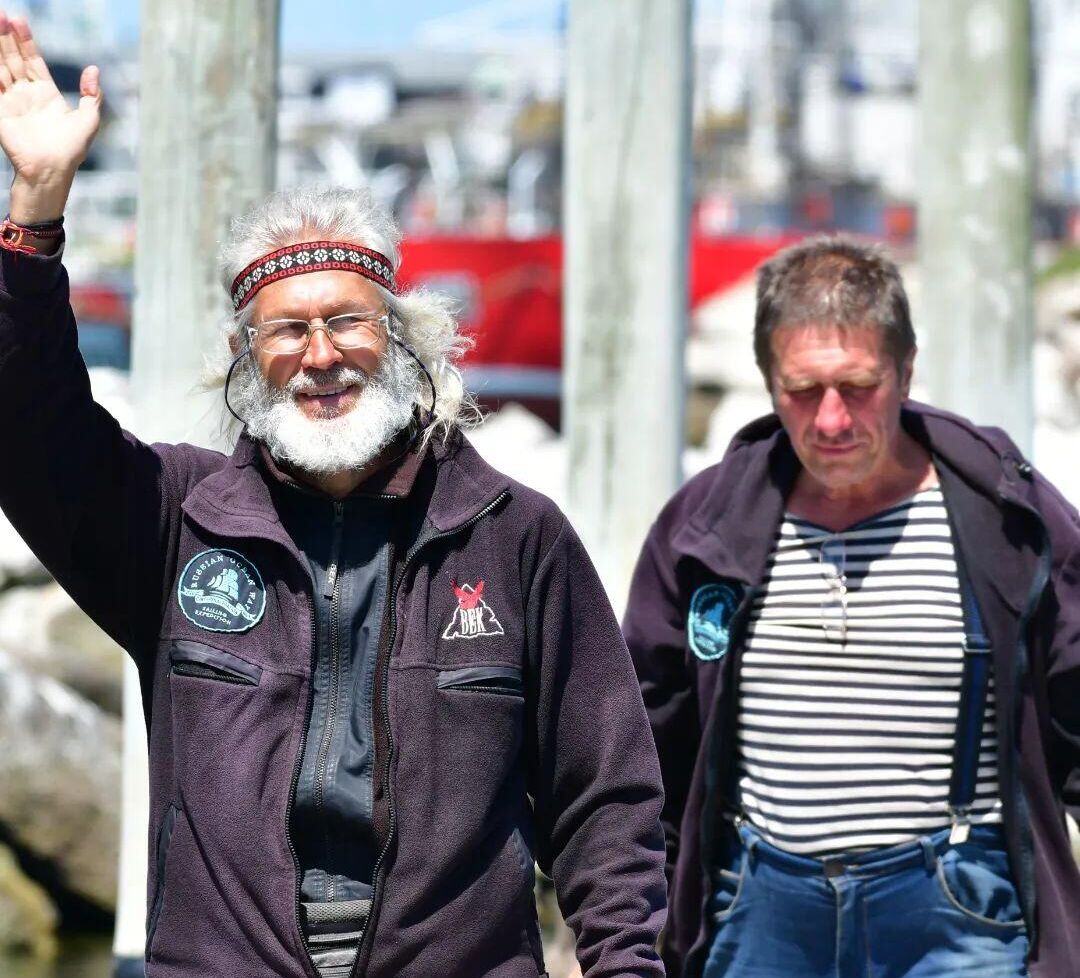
311 256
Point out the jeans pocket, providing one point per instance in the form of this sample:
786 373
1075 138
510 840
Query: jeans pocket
727 888
977 882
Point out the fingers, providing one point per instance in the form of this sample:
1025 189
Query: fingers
28 49
9 51
6 81
89 82
90 99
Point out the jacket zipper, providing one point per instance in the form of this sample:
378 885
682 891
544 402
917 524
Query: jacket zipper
292 798
364 951
332 590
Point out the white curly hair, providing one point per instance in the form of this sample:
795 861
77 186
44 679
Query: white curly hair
426 320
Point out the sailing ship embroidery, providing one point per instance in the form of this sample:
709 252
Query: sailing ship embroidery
221 591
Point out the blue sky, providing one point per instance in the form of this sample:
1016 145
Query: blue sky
330 25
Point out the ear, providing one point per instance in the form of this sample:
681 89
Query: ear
907 370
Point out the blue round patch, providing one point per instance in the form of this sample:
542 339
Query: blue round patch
708 624
221 591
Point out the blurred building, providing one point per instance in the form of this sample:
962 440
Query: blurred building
804 118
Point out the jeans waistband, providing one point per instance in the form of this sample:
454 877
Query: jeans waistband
874 862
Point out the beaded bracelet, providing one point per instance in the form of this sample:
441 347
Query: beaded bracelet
13 237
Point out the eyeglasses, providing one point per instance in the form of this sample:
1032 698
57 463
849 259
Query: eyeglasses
349 331
832 558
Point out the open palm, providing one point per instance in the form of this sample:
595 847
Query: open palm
44 137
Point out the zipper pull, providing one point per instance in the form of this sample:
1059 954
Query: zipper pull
335 549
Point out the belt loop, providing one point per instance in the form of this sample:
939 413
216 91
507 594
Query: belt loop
751 840
929 853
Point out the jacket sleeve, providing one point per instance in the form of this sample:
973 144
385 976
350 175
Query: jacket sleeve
655 630
594 777
82 494
1063 676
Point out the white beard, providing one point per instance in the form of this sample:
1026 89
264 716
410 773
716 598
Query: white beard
327 446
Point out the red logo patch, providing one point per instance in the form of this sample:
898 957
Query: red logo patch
473 616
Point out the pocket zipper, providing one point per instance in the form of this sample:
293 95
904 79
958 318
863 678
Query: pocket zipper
202 671
501 680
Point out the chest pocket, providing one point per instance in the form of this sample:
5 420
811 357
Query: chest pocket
498 680
193 659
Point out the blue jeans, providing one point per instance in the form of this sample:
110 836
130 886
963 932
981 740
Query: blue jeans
923 909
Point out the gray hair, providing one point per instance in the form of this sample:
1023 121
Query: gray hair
428 323
832 280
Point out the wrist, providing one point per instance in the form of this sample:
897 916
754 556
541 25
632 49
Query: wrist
39 202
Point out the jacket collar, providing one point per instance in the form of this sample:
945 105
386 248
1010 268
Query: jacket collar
395 478
237 501
731 532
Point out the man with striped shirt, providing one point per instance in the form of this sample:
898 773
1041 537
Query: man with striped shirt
858 639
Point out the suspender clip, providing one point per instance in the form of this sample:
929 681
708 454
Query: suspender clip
961 826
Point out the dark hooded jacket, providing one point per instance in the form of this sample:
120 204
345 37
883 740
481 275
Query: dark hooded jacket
508 723
1020 542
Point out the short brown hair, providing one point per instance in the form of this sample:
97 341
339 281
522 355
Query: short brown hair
832 280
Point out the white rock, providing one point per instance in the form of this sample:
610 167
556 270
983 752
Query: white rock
43 630
60 771
17 563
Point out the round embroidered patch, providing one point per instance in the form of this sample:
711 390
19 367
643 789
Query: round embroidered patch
708 624
221 591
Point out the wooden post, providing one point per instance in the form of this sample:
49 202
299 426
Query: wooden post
625 229
975 319
207 142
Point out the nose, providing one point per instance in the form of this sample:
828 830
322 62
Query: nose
320 354
832 419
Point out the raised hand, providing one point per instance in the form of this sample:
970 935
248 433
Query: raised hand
43 137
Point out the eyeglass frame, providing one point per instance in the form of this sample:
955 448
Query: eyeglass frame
836 580
383 321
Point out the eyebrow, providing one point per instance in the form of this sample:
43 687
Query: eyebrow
858 378
336 308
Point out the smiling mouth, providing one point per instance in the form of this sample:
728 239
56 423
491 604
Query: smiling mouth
327 400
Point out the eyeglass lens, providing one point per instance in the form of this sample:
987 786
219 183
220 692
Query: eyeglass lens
347 331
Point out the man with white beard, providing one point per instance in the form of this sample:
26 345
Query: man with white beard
380 678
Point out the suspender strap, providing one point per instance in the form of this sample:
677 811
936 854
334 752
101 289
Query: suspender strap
973 689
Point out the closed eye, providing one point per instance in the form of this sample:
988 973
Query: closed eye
859 390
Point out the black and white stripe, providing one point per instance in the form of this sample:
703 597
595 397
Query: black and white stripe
846 740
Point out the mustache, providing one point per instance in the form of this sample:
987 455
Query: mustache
337 376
